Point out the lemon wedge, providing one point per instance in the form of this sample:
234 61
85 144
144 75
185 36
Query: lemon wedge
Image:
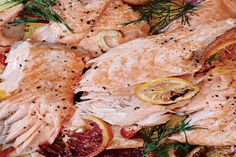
165 91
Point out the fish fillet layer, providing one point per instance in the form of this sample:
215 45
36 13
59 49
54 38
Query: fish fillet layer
88 18
213 111
111 81
145 59
40 78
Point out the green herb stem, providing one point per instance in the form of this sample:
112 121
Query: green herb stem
160 13
155 139
38 10
211 59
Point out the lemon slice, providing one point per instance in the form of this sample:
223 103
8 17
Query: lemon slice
175 120
30 29
3 94
166 91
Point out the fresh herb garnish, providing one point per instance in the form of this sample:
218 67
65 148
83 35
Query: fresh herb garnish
38 10
211 59
155 139
160 13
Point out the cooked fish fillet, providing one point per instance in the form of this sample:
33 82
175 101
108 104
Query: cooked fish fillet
113 18
6 17
9 14
213 110
216 10
91 18
9 35
40 78
79 15
208 11
145 59
5 41
113 77
124 110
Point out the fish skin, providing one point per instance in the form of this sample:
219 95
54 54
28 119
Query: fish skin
41 101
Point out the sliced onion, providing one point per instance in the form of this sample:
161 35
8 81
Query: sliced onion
100 38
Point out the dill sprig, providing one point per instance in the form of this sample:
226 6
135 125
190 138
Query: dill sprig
39 10
211 59
155 139
160 13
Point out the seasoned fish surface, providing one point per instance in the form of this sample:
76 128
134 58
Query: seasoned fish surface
213 111
145 59
208 11
5 17
88 18
124 110
40 79
79 15
111 81
113 18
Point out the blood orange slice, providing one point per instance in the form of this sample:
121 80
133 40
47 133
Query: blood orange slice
92 140
88 141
